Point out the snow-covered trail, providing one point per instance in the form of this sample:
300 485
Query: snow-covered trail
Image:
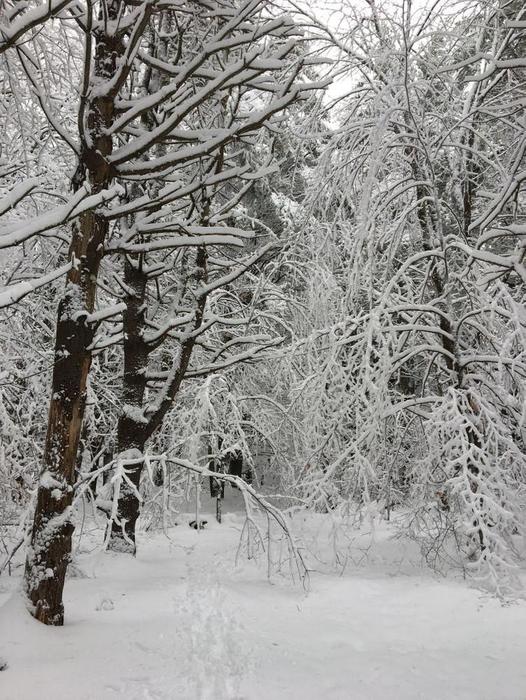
181 623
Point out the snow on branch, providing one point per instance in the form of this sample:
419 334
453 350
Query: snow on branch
36 16
237 71
244 358
254 503
176 191
125 166
252 498
81 201
14 293
18 193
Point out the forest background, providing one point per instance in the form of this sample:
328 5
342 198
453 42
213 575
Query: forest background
256 237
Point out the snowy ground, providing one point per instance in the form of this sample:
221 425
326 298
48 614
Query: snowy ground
181 622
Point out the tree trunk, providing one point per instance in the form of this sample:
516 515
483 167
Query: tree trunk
136 425
49 553
131 433
122 527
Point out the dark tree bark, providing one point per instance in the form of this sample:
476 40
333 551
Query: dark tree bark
131 428
49 553
217 108
217 487
137 423
235 466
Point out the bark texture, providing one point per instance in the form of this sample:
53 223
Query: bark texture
49 552
138 422
131 429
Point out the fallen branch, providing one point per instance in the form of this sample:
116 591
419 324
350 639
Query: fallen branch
250 498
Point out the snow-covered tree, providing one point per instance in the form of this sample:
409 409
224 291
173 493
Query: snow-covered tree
148 159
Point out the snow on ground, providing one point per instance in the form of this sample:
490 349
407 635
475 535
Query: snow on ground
181 622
